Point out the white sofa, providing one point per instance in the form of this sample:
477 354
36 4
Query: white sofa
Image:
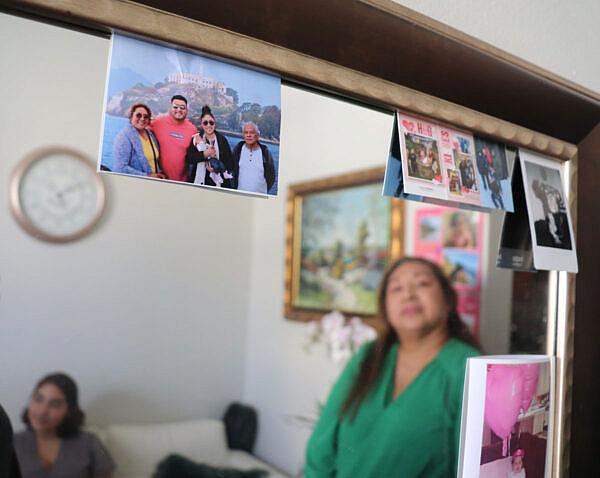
137 449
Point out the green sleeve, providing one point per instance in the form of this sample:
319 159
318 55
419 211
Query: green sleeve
322 446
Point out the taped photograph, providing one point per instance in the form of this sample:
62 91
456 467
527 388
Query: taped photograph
493 162
458 152
421 167
182 117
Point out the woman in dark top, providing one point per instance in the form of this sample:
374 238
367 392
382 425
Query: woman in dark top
209 156
9 467
54 444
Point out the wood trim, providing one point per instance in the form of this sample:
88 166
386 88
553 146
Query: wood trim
564 348
166 27
359 37
582 454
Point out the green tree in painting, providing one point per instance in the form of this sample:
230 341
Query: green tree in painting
338 267
360 251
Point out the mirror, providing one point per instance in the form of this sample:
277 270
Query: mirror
172 308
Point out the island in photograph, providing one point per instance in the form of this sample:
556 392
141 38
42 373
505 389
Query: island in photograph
184 117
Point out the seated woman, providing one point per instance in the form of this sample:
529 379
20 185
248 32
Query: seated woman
135 149
54 444
395 410
209 157
9 466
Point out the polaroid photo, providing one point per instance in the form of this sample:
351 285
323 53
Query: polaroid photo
549 216
507 417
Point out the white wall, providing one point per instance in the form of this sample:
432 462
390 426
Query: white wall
557 35
148 313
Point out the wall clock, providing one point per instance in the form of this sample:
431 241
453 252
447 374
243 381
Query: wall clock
56 194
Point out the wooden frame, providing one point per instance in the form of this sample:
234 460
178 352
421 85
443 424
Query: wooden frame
105 15
187 33
297 194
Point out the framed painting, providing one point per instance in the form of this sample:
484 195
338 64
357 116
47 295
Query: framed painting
341 235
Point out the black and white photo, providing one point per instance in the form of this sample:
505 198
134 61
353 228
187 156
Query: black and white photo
549 217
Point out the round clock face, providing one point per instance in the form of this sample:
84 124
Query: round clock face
56 194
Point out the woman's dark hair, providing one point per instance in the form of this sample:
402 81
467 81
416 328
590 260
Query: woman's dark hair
136 106
75 417
371 366
206 111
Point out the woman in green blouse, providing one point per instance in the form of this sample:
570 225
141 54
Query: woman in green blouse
395 410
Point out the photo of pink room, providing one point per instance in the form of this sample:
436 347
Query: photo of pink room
516 421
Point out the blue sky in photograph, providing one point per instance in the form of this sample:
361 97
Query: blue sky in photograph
151 63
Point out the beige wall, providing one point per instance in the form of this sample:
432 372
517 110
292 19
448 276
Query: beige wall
558 36
140 311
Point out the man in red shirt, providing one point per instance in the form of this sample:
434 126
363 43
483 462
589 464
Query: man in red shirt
174 133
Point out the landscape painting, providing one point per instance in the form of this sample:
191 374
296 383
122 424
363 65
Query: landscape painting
342 241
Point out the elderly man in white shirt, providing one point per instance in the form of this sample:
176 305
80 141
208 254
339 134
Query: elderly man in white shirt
254 168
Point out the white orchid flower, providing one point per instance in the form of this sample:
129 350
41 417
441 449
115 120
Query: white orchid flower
332 321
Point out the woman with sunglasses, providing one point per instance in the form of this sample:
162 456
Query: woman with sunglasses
135 149
209 157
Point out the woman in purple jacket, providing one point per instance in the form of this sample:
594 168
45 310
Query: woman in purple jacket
135 149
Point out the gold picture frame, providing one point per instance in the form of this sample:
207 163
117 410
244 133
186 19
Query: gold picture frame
320 265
